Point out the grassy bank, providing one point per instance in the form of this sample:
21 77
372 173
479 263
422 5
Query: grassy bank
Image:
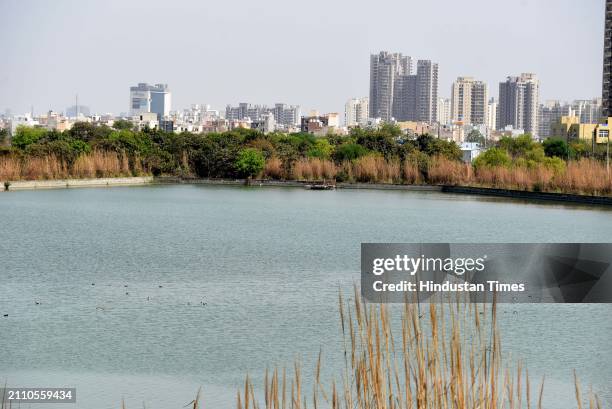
585 177
383 156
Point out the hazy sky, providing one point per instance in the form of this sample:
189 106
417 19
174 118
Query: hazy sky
313 53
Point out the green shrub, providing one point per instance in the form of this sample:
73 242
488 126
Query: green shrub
250 162
491 158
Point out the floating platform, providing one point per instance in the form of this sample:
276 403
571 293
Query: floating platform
322 186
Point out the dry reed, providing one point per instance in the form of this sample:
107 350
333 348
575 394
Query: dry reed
448 172
92 165
411 173
375 169
274 168
446 358
314 169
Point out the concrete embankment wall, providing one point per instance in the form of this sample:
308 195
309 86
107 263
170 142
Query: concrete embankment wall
71 183
228 182
293 183
520 194
381 186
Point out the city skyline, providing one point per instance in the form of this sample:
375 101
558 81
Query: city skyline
202 68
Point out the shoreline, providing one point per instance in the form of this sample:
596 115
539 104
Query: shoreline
151 180
75 183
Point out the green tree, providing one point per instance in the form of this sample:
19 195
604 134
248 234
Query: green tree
3 136
578 149
383 140
492 157
322 149
25 135
349 151
475 136
516 146
250 162
555 147
438 147
121 124
83 131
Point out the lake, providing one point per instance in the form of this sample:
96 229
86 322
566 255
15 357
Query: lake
147 293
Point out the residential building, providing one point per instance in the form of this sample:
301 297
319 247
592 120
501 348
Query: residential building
550 113
397 94
480 103
469 101
405 98
146 120
385 68
287 116
266 124
145 98
444 111
607 62
589 111
356 112
492 114
519 103
320 124
21 120
427 91
75 111
54 121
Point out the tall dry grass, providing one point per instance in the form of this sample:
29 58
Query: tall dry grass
274 168
411 173
92 165
445 357
586 176
313 169
448 172
375 169
579 177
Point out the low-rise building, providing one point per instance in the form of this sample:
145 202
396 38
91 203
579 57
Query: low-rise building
320 124
21 120
470 151
146 120
569 128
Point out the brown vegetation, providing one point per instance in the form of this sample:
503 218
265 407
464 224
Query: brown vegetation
313 169
585 176
446 357
92 165
375 169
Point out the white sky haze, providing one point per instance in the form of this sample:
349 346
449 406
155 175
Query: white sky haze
313 53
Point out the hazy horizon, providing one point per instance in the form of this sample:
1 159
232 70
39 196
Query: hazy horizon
315 55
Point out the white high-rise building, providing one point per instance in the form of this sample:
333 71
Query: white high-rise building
444 111
469 99
145 98
492 114
356 112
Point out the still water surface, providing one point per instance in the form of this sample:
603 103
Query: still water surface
121 275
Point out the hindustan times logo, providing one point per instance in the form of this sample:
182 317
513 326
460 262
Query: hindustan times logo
412 265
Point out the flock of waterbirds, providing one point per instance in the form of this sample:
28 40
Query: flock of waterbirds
202 303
